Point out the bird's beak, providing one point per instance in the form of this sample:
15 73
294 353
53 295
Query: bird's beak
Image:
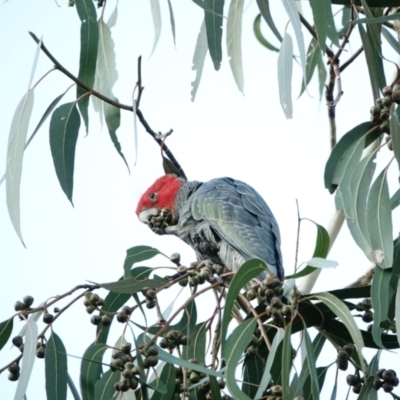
145 214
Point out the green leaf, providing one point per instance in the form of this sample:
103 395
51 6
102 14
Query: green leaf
249 270
167 376
307 387
88 54
374 62
324 23
64 129
313 56
259 36
395 200
322 75
172 19
381 296
91 370
156 15
265 11
285 69
169 167
196 347
332 181
287 358
137 254
28 359
140 366
321 251
106 76
360 184
56 368
104 387
6 328
72 388
395 133
397 311
317 346
311 360
214 388
291 9
15 154
232 352
379 222
391 39
280 334
234 41
344 314
199 56
132 285
113 17
171 359
213 21
378 20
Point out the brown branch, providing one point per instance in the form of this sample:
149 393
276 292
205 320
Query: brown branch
139 114
351 59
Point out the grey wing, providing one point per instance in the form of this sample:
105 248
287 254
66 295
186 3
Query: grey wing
240 216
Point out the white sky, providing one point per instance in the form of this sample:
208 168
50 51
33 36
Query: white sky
222 133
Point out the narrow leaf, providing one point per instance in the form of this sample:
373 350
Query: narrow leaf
196 348
72 388
324 23
234 41
233 350
167 376
374 63
213 21
172 19
291 9
56 368
104 387
265 11
285 69
28 359
344 314
280 334
331 182
311 362
313 56
249 270
91 370
318 262
137 254
156 15
395 133
6 328
107 75
199 56
379 222
381 296
15 154
64 129
397 311
287 358
88 53
259 36
391 39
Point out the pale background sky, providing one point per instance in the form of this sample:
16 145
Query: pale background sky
222 133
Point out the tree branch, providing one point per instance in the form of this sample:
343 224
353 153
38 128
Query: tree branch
93 92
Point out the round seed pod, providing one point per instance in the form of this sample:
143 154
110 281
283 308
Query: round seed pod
342 365
122 317
40 352
342 356
19 306
387 90
105 320
17 341
48 318
183 282
28 301
352 380
387 387
175 258
368 317
13 377
150 361
349 348
14 368
377 384
357 388
95 319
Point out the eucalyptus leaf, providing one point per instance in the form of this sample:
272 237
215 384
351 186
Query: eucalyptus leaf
234 41
137 254
213 21
379 222
156 15
172 19
64 129
324 22
6 328
132 285
260 37
104 387
395 133
265 11
88 53
287 358
56 369
199 56
285 69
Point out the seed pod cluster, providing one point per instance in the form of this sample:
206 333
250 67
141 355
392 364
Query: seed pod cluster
366 306
92 301
13 370
356 382
24 307
274 393
173 339
151 297
159 222
253 347
386 379
380 113
344 355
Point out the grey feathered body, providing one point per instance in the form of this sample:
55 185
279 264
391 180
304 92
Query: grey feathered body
228 222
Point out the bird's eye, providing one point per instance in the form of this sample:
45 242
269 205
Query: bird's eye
153 197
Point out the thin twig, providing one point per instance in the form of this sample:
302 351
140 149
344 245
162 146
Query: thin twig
114 103
298 236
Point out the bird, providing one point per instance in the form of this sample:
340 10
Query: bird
224 220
